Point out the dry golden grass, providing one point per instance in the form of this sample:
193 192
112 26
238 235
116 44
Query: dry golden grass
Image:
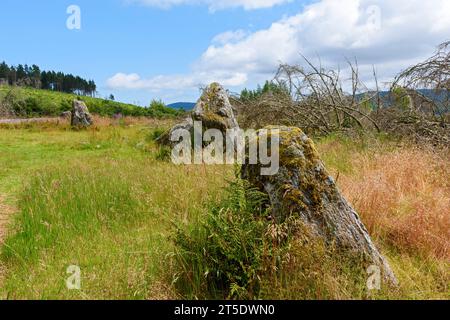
402 194
5 213
403 197
100 122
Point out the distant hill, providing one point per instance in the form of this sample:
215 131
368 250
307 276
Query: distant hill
430 94
182 105
439 98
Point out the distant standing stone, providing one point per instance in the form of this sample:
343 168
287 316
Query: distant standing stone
80 115
66 115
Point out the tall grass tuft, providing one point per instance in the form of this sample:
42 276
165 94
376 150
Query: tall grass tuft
60 206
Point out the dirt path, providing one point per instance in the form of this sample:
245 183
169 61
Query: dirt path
30 120
5 214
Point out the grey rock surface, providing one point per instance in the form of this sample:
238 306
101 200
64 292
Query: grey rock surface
304 189
213 109
80 115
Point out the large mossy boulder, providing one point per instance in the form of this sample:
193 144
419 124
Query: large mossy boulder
81 118
303 189
213 109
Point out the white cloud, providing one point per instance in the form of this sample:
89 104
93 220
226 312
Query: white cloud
376 32
213 5
388 34
229 37
175 82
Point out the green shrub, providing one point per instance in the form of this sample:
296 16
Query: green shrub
156 134
159 109
163 153
222 255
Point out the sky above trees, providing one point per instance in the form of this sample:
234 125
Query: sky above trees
144 49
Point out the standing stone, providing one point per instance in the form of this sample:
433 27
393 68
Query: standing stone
80 115
66 115
213 109
304 189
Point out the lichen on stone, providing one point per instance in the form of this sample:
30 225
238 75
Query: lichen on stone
300 183
213 110
304 190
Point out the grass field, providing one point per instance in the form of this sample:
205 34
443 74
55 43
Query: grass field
102 199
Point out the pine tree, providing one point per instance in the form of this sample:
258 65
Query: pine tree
4 71
25 75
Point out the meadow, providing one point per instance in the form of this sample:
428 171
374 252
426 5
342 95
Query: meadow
107 200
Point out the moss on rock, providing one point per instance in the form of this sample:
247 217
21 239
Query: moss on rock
304 190
213 109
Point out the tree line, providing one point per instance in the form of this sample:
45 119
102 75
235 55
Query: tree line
32 76
269 87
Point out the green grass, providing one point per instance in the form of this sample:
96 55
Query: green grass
100 200
29 102
106 200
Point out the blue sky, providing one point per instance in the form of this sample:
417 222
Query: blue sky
144 49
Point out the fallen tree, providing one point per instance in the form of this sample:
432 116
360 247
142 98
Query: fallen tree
419 117
313 98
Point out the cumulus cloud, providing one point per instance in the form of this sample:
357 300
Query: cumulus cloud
175 82
375 31
229 37
213 4
388 34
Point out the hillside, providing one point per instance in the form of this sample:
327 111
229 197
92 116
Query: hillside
187 106
29 102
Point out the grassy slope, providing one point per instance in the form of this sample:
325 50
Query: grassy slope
34 102
100 199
